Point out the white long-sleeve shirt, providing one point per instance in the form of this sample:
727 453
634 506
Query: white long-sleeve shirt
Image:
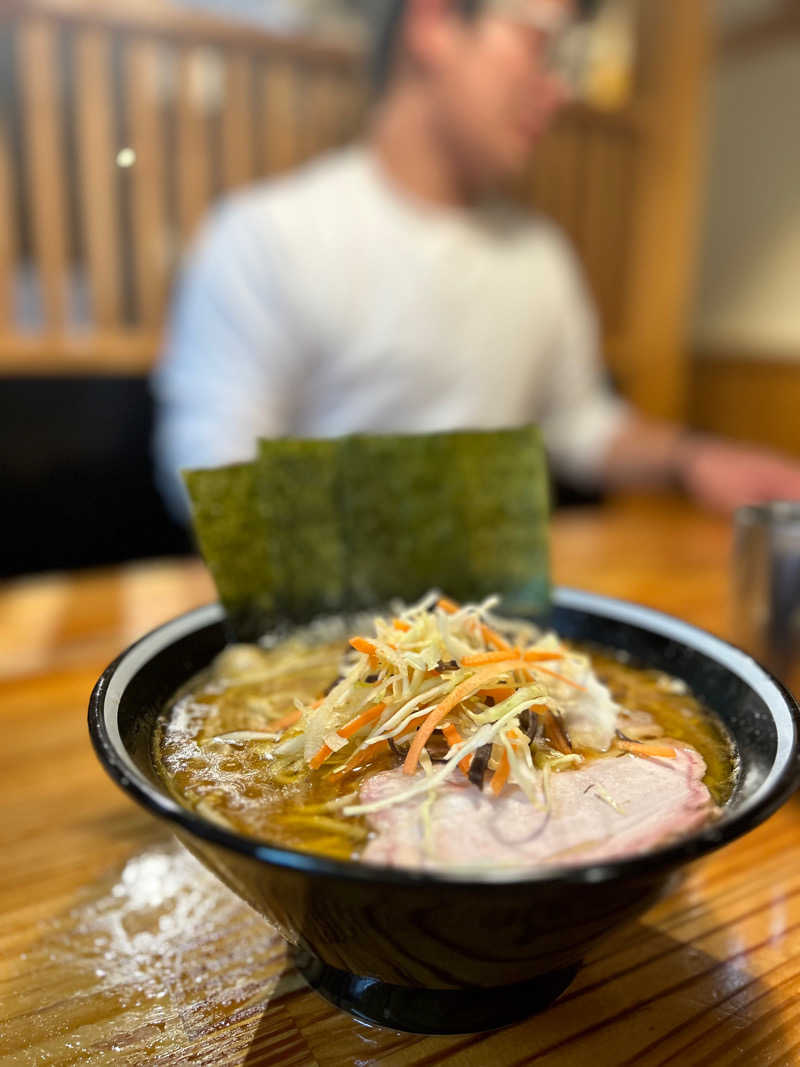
329 302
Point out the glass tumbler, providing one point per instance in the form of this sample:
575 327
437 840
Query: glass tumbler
766 587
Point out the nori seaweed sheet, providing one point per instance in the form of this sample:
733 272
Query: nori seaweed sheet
236 545
314 527
297 492
402 518
506 514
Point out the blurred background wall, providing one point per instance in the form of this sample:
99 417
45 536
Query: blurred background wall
676 173
746 325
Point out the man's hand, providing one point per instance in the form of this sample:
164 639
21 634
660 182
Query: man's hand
725 476
719 474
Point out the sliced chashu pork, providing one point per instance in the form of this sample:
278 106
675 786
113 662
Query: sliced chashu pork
609 808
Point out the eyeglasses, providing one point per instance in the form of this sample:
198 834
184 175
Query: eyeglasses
566 47
550 16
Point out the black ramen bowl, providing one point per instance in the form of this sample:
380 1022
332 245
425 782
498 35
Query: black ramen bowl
439 953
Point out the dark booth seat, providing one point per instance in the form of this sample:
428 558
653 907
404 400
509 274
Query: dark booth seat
76 475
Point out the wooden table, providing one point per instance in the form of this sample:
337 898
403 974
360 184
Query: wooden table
116 947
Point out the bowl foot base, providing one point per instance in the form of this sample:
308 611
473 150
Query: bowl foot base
433 1011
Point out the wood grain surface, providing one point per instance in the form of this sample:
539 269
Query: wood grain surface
116 947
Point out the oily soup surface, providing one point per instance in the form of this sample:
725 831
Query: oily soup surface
208 751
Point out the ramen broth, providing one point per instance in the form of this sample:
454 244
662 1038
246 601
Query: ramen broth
214 743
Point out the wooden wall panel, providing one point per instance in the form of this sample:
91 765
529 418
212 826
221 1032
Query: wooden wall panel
238 123
8 234
148 179
584 178
318 116
193 161
205 106
280 104
558 177
37 62
609 170
98 176
748 399
676 42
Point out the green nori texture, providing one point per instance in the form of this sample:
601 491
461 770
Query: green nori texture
402 518
506 513
235 544
317 527
297 491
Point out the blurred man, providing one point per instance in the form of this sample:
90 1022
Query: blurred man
389 288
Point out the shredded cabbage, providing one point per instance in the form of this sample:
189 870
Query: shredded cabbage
402 676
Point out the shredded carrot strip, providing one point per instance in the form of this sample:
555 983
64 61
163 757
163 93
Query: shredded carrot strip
453 737
497 657
448 606
500 776
346 732
289 720
401 625
360 644
360 757
492 637
482 658
499 694
452 700
370 715
320 758
534 656
647 748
